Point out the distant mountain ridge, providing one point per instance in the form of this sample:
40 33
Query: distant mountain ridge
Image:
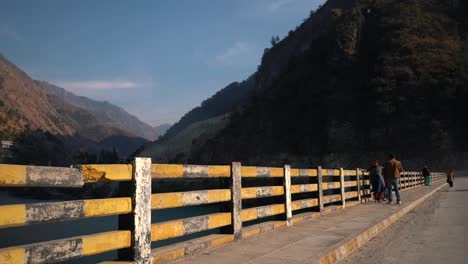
111 114
161 129
50 129
200 123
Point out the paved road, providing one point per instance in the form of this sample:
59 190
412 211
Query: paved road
435 232
307 241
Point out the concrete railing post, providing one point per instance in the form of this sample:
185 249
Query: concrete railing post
236 200
320 188
139 220
358 179
287 194
342 188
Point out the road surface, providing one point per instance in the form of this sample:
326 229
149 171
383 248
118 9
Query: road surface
435 232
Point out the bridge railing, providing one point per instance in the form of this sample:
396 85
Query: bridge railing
250 200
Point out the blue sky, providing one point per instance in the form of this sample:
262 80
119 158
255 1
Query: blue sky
157 59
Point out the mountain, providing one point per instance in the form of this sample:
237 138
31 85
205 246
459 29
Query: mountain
356 80
25 105
50 130
109 113
161 129
199 124
224 101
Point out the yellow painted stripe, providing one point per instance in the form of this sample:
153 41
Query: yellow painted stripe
167 170
167 230
248 232
294 172
279 224
350 172
276 172
249 214
219 220
277 190
110 206
297 205
330 185
218 196
247 171
106 172
167 200
12 215
169 255
249 193
13 255
277 209
219 171
103 242
222 240
351 194
297 188
12 175
328 198
350 183
176 199
297 220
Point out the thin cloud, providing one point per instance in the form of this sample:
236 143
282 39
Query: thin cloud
276 5
9 32
241 53
96 85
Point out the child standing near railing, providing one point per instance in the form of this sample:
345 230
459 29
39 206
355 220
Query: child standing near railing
427 176
450 178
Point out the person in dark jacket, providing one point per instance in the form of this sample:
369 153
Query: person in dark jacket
427 176
450 178
392 170
377 181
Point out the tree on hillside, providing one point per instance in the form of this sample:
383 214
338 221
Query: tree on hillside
274 40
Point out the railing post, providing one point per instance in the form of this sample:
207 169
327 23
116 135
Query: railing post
236 200
287 194
320 188
342 188
139 220
358 178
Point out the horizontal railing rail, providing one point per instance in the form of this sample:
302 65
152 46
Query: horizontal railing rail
277 195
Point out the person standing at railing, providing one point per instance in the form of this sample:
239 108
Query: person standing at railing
377 181
427 176
392 171
450 178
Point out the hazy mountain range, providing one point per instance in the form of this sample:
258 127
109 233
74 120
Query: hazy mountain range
58 124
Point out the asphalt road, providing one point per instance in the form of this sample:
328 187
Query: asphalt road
435 232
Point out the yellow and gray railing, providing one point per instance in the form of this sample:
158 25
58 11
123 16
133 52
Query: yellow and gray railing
293 195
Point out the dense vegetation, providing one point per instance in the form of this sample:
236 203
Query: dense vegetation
356 80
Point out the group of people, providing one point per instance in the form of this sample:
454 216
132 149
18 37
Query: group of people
385 178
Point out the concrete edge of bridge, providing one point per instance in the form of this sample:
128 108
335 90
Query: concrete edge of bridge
347 247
